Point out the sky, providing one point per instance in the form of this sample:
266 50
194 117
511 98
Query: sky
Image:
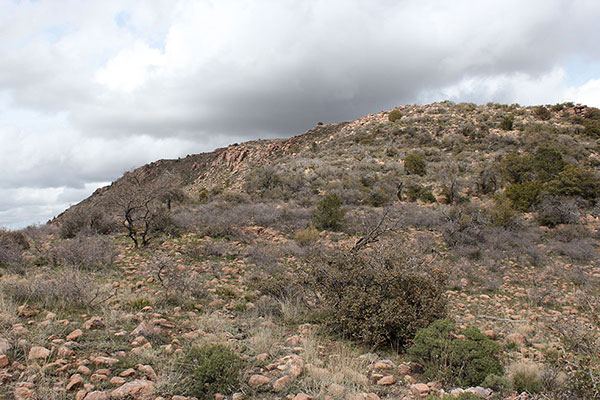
90 89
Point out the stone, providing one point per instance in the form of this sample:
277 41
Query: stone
38 353
95 378
128 372
117 380
419 389
146 369
143 329
385 364
3 361
387 380
370 396
139 389
403 369
73 336
64 352
97 396
26 311
258 380
80 394
93 323
282 382
5 346
302 396
479 391
75 380
82 369
105 360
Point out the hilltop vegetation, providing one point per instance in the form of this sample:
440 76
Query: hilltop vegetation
406 254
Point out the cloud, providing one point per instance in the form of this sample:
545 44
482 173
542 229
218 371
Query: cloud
92 88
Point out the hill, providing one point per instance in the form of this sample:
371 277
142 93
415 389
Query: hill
410 253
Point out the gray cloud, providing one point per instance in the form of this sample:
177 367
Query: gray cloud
93 88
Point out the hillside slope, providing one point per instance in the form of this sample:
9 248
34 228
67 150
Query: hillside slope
411 253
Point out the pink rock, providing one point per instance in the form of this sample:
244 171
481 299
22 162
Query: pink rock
387 380
258 380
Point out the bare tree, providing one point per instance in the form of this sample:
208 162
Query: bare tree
140 200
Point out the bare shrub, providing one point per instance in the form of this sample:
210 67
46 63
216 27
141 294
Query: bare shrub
86 252
67 288
12 245
84 220
555 210
179 283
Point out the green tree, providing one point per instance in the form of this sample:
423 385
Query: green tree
415 165
329 214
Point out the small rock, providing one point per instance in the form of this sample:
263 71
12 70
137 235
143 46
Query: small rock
97 396
82 369
75 380
26 311
403 369
139 389
419 389
38 353
282 382
302 396
93 323
3 361
143 329
387 380
117 380
105 360
262 357
336 390
146 369
4 346
479 391
23 393
73 336
128 372
258 380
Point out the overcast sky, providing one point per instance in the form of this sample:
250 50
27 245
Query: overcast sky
89 89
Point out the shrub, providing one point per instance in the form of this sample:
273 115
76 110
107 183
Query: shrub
329 214
416 192
379 298
307 236
575 181
12 245
556 210
548 163
394 115
501 213
523 195
464 360
88 252
517 168
210 369
82 220
526 377
542 113
507 123
415 165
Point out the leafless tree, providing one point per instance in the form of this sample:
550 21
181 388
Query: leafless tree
139 200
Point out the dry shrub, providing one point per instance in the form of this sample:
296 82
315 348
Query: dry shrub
68 288
179 283
12 245
307 236
86 252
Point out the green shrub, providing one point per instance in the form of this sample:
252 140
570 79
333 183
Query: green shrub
416 192
542 113
498 384
210 369
575 181
329 214
523 195
517 168
548 163
507 123
379 298
415 165
453 359
378 196
501 213
394 115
